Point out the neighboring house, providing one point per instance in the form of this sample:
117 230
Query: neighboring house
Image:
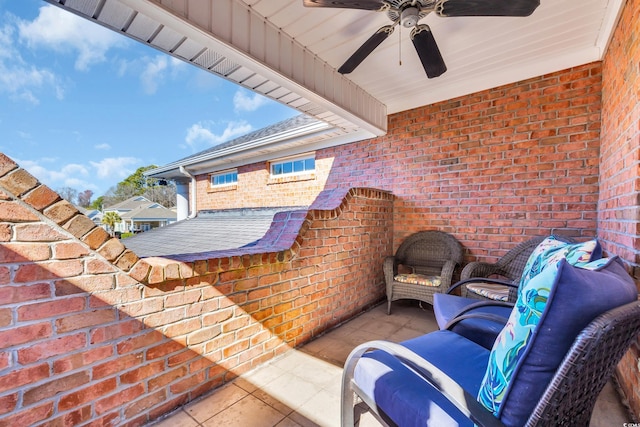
272 167
140 214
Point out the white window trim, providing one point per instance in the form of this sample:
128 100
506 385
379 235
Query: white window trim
226 184
292 159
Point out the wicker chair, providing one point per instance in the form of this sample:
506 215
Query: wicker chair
483 328
568 399
590 320
430 258
509 267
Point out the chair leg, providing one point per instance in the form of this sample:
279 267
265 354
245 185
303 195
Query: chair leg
388 306
348 408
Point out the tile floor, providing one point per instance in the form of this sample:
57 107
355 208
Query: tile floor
302 387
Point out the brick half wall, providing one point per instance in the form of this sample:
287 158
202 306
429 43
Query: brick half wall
89 333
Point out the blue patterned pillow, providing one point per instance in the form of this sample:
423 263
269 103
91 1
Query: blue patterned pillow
514 339
551 250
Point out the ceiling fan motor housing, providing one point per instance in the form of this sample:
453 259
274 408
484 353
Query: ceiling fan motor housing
409 16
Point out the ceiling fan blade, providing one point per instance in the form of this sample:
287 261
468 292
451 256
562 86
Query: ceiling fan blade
346 4
364 50
428 51
486 7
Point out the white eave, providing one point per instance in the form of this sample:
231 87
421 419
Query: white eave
241 46
312 136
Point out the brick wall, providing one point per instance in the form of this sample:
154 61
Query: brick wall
493 168
256 188
89 333
619 205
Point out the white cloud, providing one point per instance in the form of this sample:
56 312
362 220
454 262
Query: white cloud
152 72
104 146
20 80
243 100
49 172
96 176
114 167
62 31
200 134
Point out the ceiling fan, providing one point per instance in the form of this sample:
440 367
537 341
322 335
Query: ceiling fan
408 12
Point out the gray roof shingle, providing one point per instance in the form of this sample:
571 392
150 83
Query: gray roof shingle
209 231
283 126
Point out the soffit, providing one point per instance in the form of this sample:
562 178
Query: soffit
290 53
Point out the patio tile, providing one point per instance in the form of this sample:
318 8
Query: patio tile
292 390
263 375
178 419
322 410
215 403
249 411
273 401
317 371
287 422
302 388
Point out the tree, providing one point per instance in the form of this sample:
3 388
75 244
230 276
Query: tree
84 198
110 219
68 193
137 184
163 194
97 203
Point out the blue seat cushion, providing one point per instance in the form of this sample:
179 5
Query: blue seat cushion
409 400
564 299
481 331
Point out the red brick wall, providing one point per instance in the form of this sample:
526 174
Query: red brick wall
256 188
619 206
91 334
493 168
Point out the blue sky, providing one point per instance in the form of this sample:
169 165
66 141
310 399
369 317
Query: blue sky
83 107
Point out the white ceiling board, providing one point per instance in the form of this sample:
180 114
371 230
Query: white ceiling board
297 50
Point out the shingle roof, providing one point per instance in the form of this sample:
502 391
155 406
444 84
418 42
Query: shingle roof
283 126
149 211
209 231
130 203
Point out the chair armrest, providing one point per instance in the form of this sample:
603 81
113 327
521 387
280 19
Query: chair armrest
478 269
444 384
464 313
482 280
447 272
486 316
390 267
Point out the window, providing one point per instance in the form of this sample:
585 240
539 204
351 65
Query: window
224 178
293 165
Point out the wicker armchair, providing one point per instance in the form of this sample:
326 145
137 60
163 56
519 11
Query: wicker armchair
586 324
429 259
568 399
509 267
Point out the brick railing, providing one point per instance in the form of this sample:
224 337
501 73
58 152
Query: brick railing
90 333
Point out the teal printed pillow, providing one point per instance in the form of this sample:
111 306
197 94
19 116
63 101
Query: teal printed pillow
512 341
551 250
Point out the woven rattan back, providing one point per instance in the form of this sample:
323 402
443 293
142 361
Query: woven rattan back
512 263
570 398
427 251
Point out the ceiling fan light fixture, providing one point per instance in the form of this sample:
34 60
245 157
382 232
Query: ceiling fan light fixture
409 16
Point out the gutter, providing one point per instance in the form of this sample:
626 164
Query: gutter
184 171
